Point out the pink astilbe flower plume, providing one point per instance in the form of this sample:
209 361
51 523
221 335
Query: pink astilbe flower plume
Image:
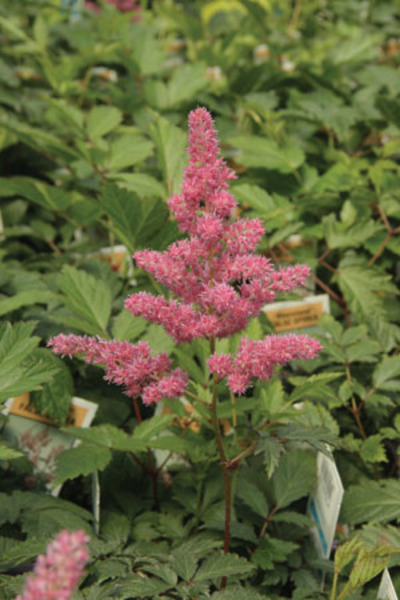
126 364
57 573
257 359
219 282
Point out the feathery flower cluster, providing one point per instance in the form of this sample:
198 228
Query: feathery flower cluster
221 283
257 359
126 364
57 572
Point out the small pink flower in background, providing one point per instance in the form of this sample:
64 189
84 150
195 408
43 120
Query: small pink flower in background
57 573
121 5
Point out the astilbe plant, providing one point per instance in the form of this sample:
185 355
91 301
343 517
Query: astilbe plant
218 282
57 573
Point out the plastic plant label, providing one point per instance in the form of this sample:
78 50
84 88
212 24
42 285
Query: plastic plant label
39 438
386 589
324 504
297 314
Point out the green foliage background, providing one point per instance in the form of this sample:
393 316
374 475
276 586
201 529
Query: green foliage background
93 113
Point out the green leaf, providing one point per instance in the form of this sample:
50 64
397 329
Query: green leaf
184 562
390 108
316 436
262 152
372 449
54 399
88 296
82 460
128 327
107 436
346 552
7 453
271 449
361 284
294 477
140 587
253 497
16 553
171 144
271 550
135 220
219 564
102 120
386 374
50 197
373 501
127 150
140 183
21 370
341 235
151 427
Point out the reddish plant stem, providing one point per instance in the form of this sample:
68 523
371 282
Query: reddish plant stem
329 267
324 254
266 522
382 246
334 297
137 410
223 461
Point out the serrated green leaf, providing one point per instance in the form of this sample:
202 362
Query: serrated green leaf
373 450
271 550
21 369
139 587
219 565
346 552
127 150
262 152
54 399
25 299
316 436
140 183
102 120
7 453
82 460
87 296
171 144
294 477
373 501
107 436
386 374
128 327
360 285
271 448
151 427
253 497
135 220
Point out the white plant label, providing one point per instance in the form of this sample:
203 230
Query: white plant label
324 504
386 589
38 436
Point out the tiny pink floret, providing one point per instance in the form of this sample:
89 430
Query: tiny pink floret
57 573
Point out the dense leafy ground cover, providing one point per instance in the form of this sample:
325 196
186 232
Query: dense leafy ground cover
93 132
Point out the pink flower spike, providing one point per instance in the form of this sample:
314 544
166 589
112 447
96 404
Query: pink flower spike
57 573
